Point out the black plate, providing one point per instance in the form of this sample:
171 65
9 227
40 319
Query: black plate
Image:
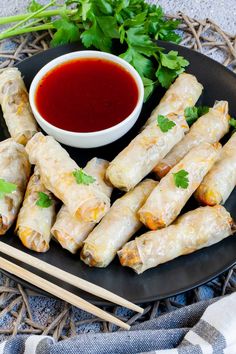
181 274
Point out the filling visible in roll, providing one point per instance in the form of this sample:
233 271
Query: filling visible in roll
63 177
15 106
36 215
138 159
192 231
183 93
209 128
169 197
14 175
117 226
69 231
221 180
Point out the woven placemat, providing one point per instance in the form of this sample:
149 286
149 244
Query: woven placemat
15 301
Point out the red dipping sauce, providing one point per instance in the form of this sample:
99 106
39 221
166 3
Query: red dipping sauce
86 95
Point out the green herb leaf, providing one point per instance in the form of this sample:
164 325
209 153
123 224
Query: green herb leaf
193 113
67 32
232 122
164 123
44 201
181 179
201 110
94 36
34 6
108 25
6 187
82 178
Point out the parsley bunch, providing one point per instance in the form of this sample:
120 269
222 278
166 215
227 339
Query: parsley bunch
133 26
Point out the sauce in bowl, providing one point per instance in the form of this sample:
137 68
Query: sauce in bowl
86 95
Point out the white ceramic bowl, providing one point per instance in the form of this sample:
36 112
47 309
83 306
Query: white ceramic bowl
93 139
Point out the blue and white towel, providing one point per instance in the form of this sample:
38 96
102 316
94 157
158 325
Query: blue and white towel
207 327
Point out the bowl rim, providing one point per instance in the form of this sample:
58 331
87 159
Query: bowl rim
85 54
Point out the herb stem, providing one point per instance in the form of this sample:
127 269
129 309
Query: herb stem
29 17
23 30
43 14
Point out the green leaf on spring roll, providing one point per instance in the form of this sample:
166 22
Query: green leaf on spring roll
164 123
6 188
82 178
181 179
44 201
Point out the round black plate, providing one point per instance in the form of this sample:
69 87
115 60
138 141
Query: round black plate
181 274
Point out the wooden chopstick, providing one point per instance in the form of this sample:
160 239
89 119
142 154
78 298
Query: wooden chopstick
67 277
59 292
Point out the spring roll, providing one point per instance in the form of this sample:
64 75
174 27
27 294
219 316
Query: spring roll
117 227
15 106
209 128
69 231
221 180
167 199
138 159
34 222
57 170
192 231
183 93
15 169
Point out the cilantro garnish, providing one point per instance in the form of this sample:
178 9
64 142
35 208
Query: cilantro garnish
181 179
82 178
193 113
44 201
6 187
232 122
128 28
164 123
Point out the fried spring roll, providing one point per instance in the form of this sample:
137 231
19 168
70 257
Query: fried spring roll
138 159
15 106
34 222
69 231
192 231
209 128
84 201
117 227
167 200
221 180
15 168
183 93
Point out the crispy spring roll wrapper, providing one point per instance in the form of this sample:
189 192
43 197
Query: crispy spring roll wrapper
34 223
184 92
15 106
69 231
192 231
117 227
138 159
209 128
221 180
167 200
85 202
15 168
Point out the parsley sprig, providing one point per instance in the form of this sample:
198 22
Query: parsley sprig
133 26
43 201
6 187
181 179
164 123
232 123
193 113
82 178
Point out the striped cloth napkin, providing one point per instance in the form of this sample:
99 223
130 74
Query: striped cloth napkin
213 332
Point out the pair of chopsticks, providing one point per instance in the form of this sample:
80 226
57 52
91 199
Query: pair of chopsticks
66 277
